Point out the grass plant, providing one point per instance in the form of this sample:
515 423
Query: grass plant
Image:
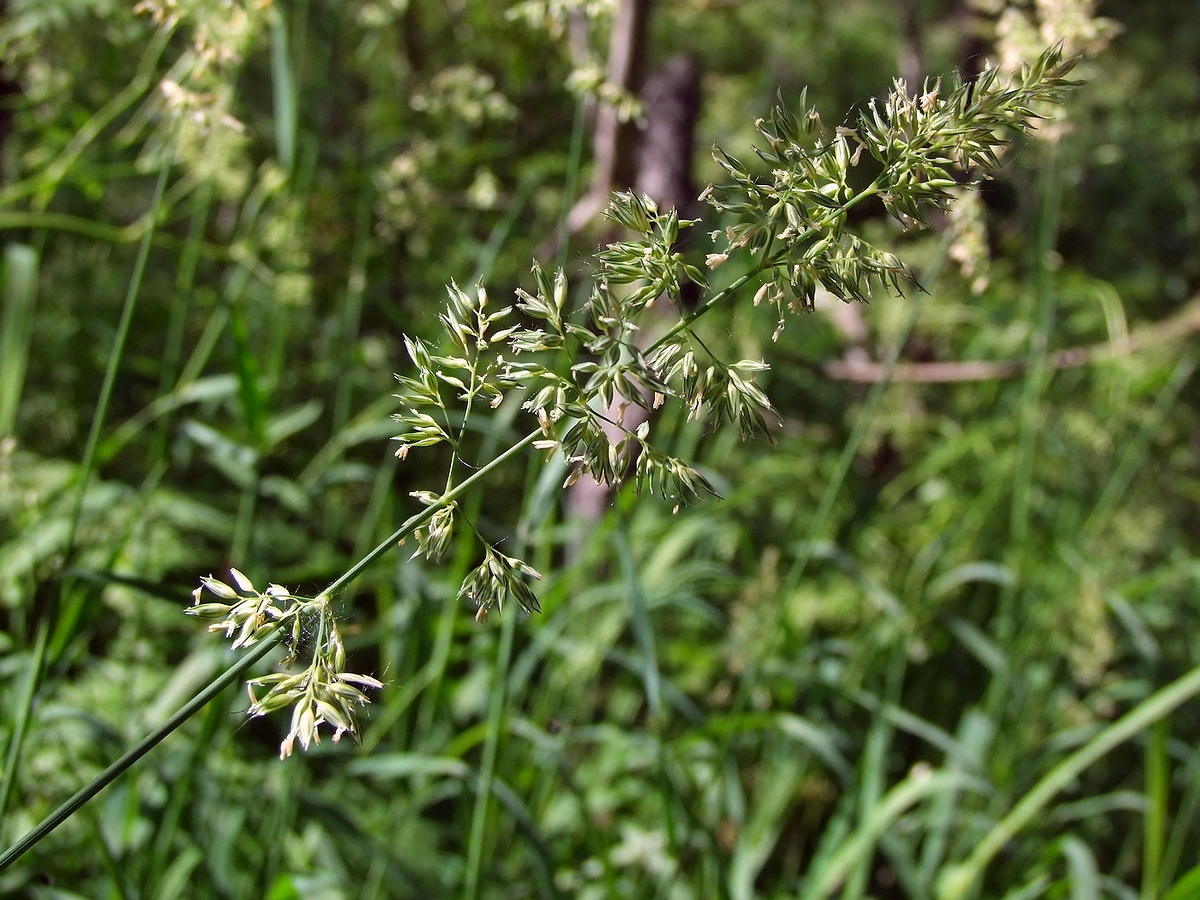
959 679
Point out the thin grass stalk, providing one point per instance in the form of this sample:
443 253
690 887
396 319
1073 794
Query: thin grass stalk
487 768
1037 372
128 234
372 516
1185 813
25 693
204 347
243 529
252 405
234 672
1000 699
862 423
439 658
16 328
1154 821
973 736
114 360
434 670
1083 874
185 278
1037 355
959 880
651 676
497 702
502 229
283 96
875 767
250 393
902 861
131 756
685 322
833 487
643 628
902 797
48 636
352 302
281 318
779 774
426 513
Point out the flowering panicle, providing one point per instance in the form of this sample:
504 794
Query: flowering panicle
324 693
580 372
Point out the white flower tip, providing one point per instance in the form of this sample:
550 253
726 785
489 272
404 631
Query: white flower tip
241 580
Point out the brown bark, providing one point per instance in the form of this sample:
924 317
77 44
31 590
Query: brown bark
664 173
912 56
614 143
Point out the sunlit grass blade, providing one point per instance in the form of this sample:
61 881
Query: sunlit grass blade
1186 887
284 96
1154 825
19 287
860 842
958 880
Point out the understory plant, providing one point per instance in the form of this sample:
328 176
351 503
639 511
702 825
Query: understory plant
602 383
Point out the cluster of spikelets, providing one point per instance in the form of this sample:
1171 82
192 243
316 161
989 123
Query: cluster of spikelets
323 693
579 370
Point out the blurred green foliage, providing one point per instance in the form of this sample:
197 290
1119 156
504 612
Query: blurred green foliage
901 617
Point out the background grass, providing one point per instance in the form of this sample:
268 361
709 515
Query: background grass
934 633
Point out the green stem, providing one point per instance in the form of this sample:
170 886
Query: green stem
48 640
144 746
765 262
414 522
487 768
127 234
871 191
1157 780
114 360
24 708
883 815
234 672
711 302
1157 706
462 432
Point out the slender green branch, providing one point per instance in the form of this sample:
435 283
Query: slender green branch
873 190
487 768
419 519
268 640
131 756
47 638
456 445
114 360
708 305
128 234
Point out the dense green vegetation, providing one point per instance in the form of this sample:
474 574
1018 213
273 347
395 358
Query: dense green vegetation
935 639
